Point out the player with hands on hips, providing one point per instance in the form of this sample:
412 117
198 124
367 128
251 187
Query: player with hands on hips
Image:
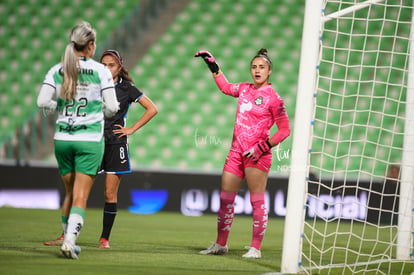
116 157
250 156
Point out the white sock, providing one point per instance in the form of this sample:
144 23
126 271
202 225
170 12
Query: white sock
75 224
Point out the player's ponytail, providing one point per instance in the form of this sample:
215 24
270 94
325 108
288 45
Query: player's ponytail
263 53
70 72
125 74
80 36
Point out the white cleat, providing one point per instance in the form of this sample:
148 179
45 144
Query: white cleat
215 249
253 253
70 251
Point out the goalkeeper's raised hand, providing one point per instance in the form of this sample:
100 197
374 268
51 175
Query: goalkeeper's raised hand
209 59
257 150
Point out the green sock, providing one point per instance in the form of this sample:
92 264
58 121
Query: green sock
78 210
64 223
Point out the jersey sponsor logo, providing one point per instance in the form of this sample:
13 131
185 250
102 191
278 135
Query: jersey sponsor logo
245 106
80 71
85 71
259 100
70 128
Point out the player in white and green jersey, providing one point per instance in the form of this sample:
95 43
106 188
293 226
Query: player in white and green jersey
81 90
81 118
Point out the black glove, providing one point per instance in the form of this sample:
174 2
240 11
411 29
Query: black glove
209 59
257 150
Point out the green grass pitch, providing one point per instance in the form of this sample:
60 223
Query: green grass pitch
162 243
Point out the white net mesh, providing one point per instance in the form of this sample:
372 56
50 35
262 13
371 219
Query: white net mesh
357 142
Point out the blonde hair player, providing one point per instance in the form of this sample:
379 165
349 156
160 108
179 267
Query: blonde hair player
116 160
250 157
81 90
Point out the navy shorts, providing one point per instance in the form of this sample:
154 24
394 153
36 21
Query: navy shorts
116 159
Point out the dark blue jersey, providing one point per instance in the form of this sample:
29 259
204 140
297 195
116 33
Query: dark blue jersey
126 94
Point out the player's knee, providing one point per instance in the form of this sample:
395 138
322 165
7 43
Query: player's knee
110 195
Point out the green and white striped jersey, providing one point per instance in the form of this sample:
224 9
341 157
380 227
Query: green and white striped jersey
81 119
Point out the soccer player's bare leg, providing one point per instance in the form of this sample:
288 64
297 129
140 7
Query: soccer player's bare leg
81 188
67 204
110 209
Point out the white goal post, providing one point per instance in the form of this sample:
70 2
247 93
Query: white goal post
354 120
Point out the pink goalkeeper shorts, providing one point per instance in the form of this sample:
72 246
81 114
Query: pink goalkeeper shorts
236 164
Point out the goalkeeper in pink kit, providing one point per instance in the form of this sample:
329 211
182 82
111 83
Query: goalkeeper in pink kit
250 156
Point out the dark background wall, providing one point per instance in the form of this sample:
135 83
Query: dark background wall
146 192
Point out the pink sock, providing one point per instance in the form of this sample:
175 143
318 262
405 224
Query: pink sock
225 216
259 218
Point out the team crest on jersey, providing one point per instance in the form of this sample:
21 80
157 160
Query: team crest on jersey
258 101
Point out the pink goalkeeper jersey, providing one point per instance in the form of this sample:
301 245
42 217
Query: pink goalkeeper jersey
258 110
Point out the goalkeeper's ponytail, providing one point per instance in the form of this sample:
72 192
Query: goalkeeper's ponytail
80 36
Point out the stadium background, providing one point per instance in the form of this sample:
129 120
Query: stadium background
184 146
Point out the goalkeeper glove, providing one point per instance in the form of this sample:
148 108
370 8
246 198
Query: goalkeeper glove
257 150
209 59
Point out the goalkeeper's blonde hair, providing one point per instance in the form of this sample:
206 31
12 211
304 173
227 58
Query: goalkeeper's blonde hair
80 36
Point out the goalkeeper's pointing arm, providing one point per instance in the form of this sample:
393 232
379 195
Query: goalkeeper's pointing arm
210 61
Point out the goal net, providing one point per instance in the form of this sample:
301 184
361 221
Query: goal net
350 199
